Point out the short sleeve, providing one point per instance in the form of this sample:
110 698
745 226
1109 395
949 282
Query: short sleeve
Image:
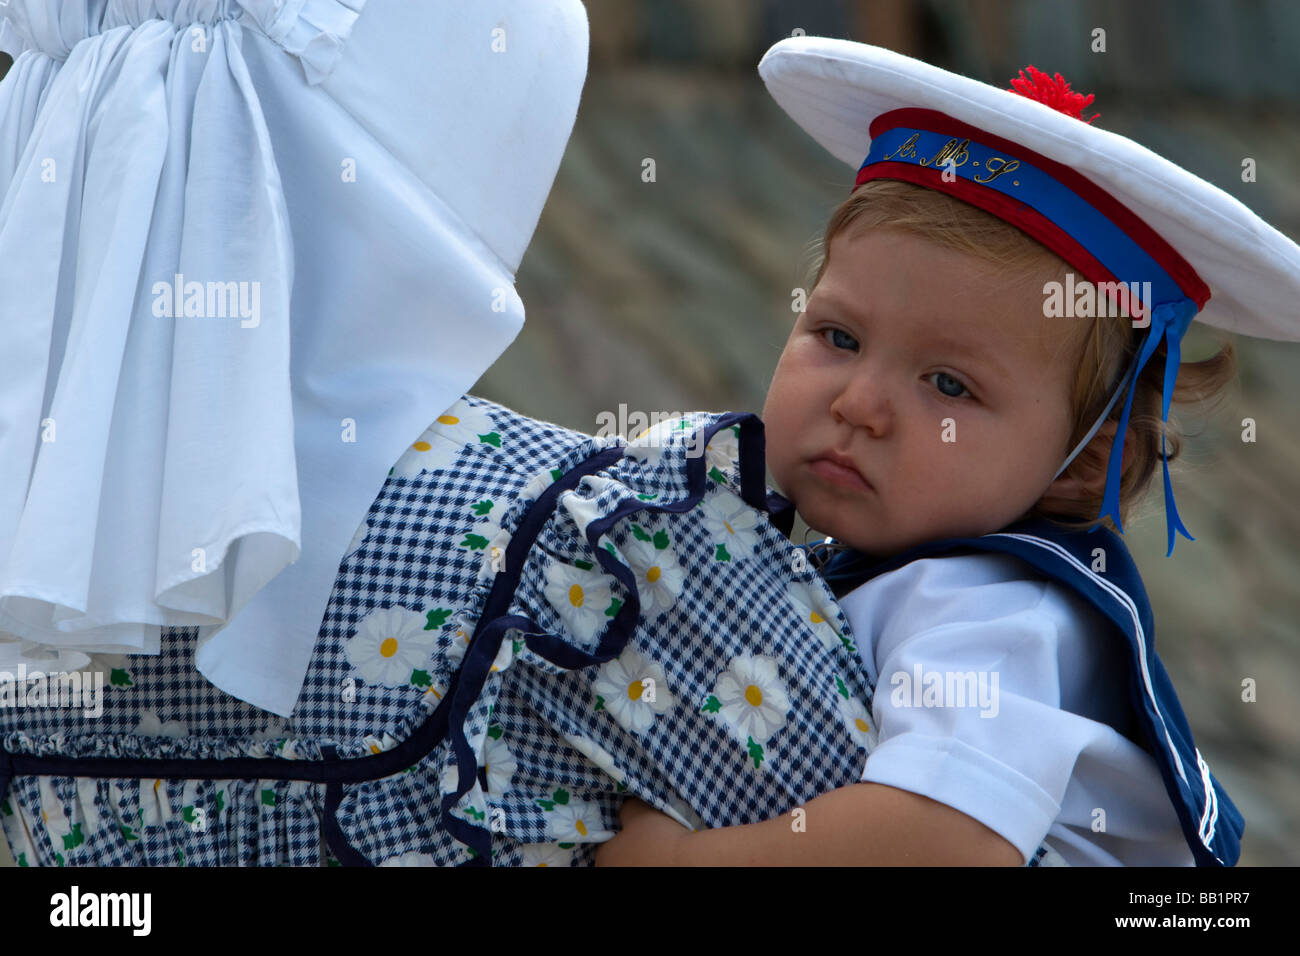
968 698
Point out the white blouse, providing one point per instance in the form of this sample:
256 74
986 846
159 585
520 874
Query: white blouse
1005 695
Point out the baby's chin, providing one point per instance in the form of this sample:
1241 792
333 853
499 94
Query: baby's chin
834 516
881 543
830 518
825 522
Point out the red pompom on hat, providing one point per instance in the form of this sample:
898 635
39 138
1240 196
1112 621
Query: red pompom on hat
1054 91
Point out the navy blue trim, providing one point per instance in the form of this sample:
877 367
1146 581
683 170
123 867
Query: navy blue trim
849 569
335 839
6 773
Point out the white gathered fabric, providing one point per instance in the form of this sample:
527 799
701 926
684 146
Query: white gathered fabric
321 181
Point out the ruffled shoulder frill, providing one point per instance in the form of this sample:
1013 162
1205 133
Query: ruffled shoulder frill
315 31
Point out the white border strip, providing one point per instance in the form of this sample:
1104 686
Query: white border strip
1211 814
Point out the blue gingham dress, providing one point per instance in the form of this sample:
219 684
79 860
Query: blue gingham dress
532 624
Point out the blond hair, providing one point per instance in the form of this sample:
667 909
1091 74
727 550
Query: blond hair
1105 346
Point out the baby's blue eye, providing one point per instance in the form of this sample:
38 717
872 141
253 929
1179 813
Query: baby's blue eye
948 385
841 332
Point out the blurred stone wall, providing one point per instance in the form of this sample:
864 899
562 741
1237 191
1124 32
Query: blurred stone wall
1242 51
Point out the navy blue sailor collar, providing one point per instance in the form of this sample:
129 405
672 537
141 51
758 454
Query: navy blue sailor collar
1098 566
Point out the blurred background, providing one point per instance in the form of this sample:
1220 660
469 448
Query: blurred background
675 294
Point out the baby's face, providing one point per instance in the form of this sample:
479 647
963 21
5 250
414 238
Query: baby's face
948 392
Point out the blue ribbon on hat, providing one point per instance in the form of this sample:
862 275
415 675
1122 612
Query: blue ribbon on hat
1017 178
1169 321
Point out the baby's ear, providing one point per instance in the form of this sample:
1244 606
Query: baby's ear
1086 476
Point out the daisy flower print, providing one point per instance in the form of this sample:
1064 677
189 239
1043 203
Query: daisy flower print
633 689
389 645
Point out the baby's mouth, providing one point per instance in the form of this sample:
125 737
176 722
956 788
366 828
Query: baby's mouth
839 470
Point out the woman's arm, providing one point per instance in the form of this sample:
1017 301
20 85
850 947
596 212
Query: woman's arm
863 824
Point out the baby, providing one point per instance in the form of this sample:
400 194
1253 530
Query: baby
973 446
923 396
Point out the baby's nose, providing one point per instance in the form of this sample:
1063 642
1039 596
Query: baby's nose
864 402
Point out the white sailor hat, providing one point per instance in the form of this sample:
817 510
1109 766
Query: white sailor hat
249 250
1114 210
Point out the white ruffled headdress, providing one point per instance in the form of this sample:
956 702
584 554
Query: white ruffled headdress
249 250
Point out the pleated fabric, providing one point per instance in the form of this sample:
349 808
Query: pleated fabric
250 249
